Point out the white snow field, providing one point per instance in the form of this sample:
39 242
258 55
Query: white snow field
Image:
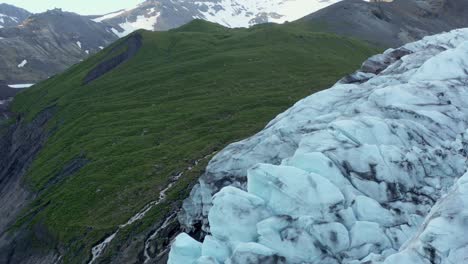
21 85
235 13
141 22
369 171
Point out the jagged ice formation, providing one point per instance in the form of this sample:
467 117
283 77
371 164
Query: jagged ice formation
369 171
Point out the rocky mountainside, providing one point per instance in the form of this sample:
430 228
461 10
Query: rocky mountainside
369 171
385 23
168 14
392 23
97 159
11 16
48 43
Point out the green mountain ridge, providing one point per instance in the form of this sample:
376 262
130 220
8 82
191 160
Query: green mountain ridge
117 141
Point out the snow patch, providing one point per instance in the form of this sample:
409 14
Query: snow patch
23 63
141 22
108 16
21 85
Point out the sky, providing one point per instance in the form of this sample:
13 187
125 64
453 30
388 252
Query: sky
83 7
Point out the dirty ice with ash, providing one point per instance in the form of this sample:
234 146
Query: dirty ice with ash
371 170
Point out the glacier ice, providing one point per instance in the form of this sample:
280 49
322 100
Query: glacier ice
372 170
185 250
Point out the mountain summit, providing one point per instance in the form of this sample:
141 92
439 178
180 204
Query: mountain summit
11 15
48 43
168 14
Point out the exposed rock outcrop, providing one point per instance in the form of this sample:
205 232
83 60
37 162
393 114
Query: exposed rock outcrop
19 145
391 23
131 45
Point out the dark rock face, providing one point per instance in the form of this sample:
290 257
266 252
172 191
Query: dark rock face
392 24
6 96
48 43
19 146
68 170
19 247
11 16
7 92
133 43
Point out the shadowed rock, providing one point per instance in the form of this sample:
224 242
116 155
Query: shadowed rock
19 145
133 43
394 23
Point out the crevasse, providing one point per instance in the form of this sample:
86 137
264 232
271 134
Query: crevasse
368 171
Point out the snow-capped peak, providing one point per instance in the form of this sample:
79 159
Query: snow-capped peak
167 14
369 171
245 13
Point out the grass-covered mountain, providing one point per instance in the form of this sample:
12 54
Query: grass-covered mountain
93 146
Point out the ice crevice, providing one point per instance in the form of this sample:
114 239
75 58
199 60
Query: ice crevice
372 170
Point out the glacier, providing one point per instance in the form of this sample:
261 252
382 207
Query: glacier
372 170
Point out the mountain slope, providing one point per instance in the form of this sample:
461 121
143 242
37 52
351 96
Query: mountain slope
158 105
48 43
385 23
369 171
11 16
391 24
167 14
